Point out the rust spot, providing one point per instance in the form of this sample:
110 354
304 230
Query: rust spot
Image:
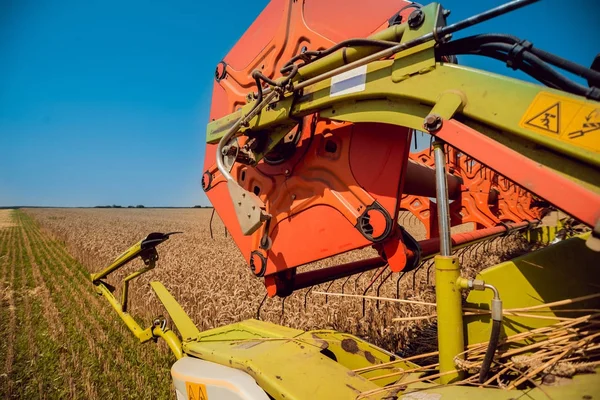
350 345
322 343
278 377
370 357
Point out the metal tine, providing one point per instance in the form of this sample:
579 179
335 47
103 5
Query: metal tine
378 272
429 271
212 215
398 284
414 287
356 281
461 254
306 295
346 281
259 307
327 290
381 284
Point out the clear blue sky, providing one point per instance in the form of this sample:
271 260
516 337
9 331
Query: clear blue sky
106 102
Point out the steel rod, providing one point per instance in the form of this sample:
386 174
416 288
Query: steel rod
442 200
439 33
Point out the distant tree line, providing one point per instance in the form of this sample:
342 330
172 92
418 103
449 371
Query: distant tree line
118 206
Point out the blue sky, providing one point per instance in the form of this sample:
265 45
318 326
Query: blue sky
106 102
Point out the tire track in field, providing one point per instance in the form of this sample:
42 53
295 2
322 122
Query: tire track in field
111 353
5 308
52 317
27 291
9 335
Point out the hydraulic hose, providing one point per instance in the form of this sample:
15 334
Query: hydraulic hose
491 350
473 42
496 308
526 61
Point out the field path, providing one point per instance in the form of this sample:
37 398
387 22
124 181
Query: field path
60 340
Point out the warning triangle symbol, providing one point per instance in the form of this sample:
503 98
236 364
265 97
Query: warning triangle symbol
548 120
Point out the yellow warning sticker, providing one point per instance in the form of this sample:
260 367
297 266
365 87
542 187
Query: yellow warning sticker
196 391
569 120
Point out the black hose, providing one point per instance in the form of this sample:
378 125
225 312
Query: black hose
472 42
525 61
491 350
562 81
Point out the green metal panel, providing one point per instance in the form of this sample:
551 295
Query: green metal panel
186 327
292 364
537 278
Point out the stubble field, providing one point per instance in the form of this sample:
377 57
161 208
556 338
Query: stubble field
50 252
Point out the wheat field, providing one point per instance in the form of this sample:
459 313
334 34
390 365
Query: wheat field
212 282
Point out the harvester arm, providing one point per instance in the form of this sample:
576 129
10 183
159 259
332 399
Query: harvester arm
146 250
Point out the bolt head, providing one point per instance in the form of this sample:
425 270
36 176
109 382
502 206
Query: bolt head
432 122
416 18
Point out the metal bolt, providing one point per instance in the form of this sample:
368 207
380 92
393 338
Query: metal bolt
432 122
287 172
293 197
415 19
446 13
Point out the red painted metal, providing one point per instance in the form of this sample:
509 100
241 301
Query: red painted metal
566 195
318 195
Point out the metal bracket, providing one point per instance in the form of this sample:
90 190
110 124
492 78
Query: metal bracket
249 209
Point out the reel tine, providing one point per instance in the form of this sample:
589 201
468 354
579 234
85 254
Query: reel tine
306 295
378 272
398 284
381 284
259 307
414 286
346 281
429 271
327 290
356 281
212 215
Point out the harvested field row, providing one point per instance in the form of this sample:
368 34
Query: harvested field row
61 341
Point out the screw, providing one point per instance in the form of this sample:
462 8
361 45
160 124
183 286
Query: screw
287 172
293 197
432 123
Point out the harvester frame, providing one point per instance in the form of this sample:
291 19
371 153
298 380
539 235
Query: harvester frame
406 85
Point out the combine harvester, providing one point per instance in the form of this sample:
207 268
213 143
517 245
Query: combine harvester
308 156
